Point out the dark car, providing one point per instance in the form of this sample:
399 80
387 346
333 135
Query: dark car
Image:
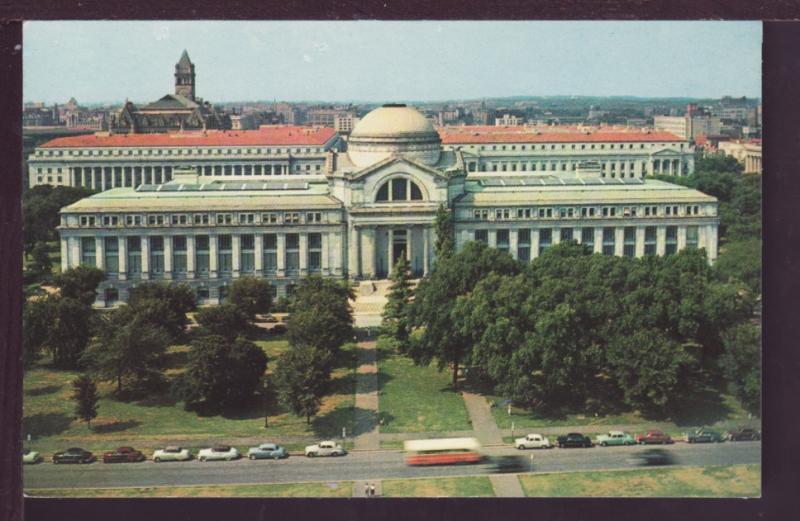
652 457
73 455
705 436
123 455
653 438
509 464
744 434
574 439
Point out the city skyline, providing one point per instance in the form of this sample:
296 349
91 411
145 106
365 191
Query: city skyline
372 62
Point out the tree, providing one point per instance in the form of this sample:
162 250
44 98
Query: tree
221 374
225 320
321 316
86 398
69 330
127 347
741 364
444 246
80 283
40 207
741 261
37 317
252 295
164 305
395 312
41 262
302 377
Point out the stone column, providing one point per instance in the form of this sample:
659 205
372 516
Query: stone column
640 241
681 237
680 168
513 237
100 252
236 254
145 257
167 256
64 255
671 164
409 242
367 236
426 246
75 252
619 241
213 256
712 242
492 238
190 254
259 254
352 251
303 254
555 236
577 235
102 178
598 239
123 258
534 243
325 266
280 271
661 240
390 242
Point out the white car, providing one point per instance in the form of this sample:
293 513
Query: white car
325 448
218 452
172 453
31 456
533 441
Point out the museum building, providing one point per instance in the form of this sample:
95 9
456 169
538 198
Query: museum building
372 200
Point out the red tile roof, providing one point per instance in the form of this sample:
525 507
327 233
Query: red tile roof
551 134
266 135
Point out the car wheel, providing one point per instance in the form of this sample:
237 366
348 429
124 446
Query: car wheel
311 454
157 460
202 459
252 456
520 447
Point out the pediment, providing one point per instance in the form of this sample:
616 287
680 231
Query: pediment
666 152
391 165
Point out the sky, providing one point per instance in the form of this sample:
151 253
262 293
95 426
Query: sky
370 61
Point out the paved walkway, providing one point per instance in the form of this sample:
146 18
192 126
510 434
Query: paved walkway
482 420
366 421
359 488
506 485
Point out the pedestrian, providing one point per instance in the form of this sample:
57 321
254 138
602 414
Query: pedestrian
366 489
372 489
509 409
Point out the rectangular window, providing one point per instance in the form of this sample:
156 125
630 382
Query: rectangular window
269 218
247 218
225 253
524 245
313 217
202 254
314 252
629 244
134 255
112 255
587 238
566 234
291 218
608 241
650 240
482 236
179 254
502 240
270 252
545 239
247 259
88 252
692 236
157 255
201 218
671 244
292 252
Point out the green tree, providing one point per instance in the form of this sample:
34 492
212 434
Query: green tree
741 261
398 301
302 378
741 364
164 305
252 295
321 316
85 395
41 262
40 207
221 374
37 316
444 245
718 163
225 320
68 332
80 283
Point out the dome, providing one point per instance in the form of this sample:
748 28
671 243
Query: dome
394 130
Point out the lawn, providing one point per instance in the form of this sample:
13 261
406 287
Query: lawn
473 486
417 399
152 422
721 481
334 489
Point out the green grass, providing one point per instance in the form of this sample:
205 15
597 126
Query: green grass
721 481
417 399
153 422
391 444
477 486
333 489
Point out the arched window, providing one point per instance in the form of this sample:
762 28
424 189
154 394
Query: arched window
399 189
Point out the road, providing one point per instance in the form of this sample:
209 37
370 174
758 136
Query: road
383 464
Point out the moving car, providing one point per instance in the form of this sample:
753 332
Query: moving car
73 455
30 456
267 451
172 453
744 434
573 439
705 436
218 453
652 457
615 438
533 441
442 451
653 438
509 464
325 448
123 455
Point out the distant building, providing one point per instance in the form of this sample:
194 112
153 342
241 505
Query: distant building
508 120
747 152
72 115
696 122
180 111
345 123
326 116
40 116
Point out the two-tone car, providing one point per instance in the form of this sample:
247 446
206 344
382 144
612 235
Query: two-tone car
73 455
172 453
325 448
744 434
267 451
574 439
704 436
614 438
218 453
653 438
533 441
30 457
123 455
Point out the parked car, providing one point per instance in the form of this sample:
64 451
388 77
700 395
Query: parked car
573 439
705 436
744 434
267 451
652 457
218 453
653 438
73 455
533 441
172 453
123 455
30 456
325 448
615 438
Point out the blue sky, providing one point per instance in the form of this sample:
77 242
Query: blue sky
385 61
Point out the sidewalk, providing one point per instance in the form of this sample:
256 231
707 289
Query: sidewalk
482 420
366 413
506 485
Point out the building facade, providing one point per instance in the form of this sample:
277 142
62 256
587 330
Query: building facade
747 152
365 208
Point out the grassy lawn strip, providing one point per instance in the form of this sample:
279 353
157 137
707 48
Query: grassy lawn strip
417 399
477 486
334 489
718 481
